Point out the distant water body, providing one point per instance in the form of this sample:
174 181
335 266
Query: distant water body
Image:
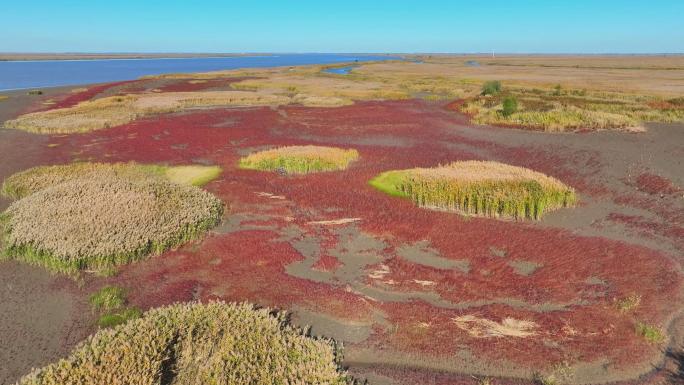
52 73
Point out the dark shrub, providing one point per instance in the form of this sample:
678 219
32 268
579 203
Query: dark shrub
557 90
510 105
491 87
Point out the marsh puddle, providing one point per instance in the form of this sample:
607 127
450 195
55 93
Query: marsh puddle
340 70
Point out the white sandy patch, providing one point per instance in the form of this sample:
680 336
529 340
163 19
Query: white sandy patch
380 273
340 221
485 328
269 195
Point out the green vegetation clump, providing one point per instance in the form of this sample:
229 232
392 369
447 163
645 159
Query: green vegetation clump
214 343
192 175
480 188
95 216
491 87
109 302
34 92
108 298
3 97
651 333
300 159
510 106
118 317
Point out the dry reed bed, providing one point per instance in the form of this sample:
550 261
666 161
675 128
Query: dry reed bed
117 110
480 188
214 343
541 108
300 159
438 78
645 75
561 110
94 216
368 81
34 179
38 178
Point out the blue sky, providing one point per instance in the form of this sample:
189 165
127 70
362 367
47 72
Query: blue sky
570 26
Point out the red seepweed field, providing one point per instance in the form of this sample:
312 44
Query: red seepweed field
419 295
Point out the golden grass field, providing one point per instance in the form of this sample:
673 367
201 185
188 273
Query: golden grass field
479 188
300 159
600 92
94 216
198 344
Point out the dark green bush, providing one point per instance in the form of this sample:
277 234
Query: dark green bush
510 106
558 90
35 92
491 87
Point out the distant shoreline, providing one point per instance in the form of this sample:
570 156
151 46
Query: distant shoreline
112 56
55 70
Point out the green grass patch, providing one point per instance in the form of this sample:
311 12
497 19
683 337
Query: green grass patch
192 175
300 159
651 333
214 343
118 317
108 298
390 182
110 303
510 106
3 97
479 188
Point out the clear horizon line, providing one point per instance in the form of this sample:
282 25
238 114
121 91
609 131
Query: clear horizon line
324 52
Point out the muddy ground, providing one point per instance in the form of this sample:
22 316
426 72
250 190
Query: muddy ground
384 277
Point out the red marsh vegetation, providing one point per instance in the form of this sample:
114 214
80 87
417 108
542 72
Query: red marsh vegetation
424 289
